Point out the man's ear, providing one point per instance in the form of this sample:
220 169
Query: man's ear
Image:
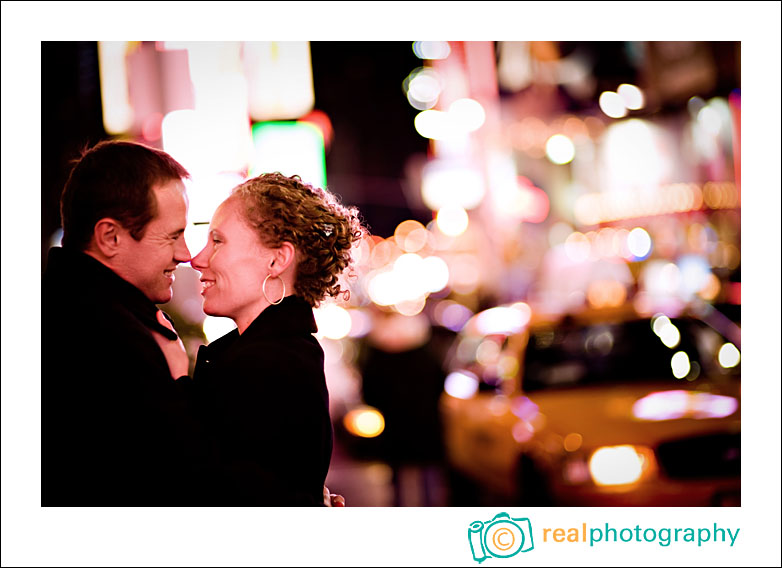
106 236
282 258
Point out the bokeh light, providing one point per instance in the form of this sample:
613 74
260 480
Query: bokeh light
639 243
333 321
452 220
560 149
632 96
461 384
365 422
468 114
431 49
616 465
680 364
612 104
728 356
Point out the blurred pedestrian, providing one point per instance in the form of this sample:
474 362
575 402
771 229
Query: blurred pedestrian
276 249
403 378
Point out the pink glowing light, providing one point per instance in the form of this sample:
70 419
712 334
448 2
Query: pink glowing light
676 404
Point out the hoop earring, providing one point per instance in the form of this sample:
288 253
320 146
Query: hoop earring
263 289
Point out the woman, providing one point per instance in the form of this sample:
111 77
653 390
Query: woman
276 248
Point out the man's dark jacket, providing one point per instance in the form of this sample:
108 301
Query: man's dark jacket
117 430
263 394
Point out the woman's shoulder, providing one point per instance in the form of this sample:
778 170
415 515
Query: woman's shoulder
286 351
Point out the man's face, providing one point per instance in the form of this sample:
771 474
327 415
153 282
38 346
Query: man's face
149 264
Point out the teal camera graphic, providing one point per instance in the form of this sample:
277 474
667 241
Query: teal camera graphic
502 537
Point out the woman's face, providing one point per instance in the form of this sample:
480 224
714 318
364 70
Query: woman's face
233 265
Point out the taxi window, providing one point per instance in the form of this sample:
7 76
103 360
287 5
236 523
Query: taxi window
572 355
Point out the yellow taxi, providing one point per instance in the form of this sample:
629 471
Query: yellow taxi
600 408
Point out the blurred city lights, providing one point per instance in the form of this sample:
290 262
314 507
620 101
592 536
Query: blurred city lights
360 323
435 274
279 75
635 153
333 321
452 220
680 364
214 327
467 114
632 96
410 236
434 124
450 182
461 384
382 288
694 271
677 404
463 116
606 293
451 315
639 243
659 322
503 320
670 335
560 149
291 148
616 465
117 111
694 105
423 88
488 352
728 356
365 422
558 233
411 307
577 247
711 288
572 442
431 49
180 129
612 104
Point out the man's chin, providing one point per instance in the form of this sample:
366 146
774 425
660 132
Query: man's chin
164 297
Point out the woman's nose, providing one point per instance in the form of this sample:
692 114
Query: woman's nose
199 261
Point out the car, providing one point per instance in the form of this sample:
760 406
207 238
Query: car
597 408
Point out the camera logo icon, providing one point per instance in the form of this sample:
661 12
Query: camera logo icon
501 537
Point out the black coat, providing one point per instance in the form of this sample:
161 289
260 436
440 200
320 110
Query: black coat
116 429
263 393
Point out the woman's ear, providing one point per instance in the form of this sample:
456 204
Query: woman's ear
282 258
106 236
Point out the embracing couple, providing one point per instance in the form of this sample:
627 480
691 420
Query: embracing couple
122 422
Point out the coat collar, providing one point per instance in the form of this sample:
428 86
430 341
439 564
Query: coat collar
77 273
291 316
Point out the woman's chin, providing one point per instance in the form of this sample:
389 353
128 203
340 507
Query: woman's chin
212 311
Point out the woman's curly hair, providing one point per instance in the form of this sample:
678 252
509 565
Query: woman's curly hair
321 229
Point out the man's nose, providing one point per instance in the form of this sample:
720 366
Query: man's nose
181 252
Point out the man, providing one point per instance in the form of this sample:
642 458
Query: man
116 428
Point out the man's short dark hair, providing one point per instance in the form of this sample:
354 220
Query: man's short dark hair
114 179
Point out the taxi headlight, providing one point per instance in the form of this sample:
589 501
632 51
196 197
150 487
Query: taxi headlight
620 465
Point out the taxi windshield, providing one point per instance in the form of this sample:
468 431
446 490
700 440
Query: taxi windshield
680 349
